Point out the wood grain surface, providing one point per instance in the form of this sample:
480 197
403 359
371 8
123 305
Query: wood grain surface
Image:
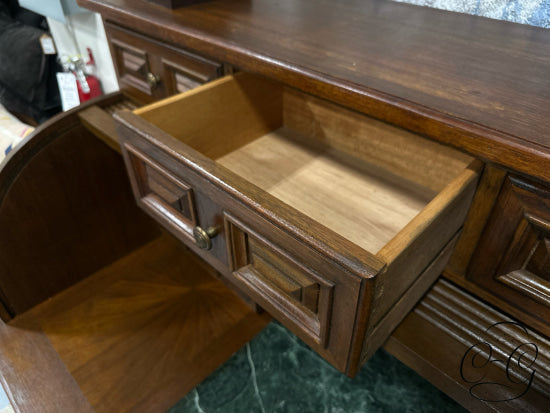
365 205
478 84
34 377
135 336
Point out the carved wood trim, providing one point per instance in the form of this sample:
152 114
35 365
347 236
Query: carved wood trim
132 65
528 284
450 328
272 275
497 337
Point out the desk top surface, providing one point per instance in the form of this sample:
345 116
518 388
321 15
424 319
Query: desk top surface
478 84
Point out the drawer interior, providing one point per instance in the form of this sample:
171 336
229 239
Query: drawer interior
334 222
360 177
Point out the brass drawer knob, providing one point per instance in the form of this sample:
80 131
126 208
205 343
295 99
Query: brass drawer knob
203 238
152 80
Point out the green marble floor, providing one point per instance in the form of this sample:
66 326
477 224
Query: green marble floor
276 372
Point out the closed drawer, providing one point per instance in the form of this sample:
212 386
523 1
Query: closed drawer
512 260
334 222
151 70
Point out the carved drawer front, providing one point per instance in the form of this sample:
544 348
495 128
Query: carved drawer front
134 67
151 70
279 281
333 222
513 257
161 193
175 197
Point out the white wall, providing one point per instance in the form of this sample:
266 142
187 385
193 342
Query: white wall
84 30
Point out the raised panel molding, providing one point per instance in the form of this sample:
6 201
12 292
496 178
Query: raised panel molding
295 291
513 259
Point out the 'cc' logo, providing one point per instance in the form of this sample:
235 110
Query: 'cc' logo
497 375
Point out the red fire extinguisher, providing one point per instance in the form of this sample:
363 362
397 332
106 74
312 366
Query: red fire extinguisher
88 85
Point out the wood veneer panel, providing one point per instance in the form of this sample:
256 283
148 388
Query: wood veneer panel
475 83
142 332
33 376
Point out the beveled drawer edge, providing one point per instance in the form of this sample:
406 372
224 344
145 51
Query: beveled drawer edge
430 212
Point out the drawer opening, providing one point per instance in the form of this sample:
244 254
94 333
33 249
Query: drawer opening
333 222
362 178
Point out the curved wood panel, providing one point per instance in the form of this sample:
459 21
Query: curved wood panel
66 210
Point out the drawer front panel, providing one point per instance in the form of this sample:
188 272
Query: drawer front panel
279 281
161 193
513 257
133 66
188 73
173 197
152 70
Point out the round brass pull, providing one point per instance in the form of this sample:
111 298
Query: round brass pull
152 80
203 238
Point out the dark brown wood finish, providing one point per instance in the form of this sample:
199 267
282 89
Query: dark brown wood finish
281 282
512 258
31 373
432 342
101 124
150 70
174 4
478 84
323 248
482 206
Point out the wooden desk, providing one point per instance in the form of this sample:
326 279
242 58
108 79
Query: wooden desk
476 85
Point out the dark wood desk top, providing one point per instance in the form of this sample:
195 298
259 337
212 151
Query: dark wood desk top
478 84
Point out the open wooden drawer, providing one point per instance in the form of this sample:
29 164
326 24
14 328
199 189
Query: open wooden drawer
332 221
